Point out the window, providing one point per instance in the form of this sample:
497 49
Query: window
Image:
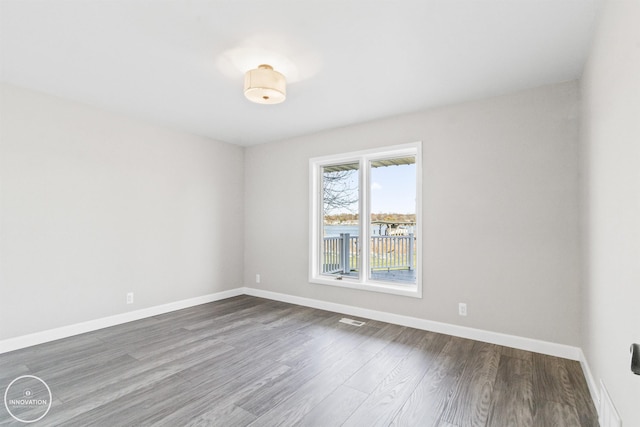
365 220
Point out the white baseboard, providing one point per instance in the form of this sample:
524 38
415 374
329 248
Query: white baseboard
529 344
538 346
591 383
16 343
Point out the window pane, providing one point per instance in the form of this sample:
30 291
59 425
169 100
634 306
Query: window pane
392 254
341 222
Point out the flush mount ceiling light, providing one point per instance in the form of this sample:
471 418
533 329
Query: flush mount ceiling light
264 85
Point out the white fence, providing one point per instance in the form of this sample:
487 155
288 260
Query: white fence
340 254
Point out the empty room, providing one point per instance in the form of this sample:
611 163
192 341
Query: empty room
320 213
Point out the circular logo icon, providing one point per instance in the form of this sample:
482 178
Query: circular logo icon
27 399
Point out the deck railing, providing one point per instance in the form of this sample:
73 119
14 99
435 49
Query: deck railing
387 253
392 252
340 254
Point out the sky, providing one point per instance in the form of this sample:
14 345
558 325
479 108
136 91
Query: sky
393 189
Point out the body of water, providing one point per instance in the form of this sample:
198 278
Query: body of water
335 230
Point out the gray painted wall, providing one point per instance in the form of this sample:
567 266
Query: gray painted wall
610 155
500 194
94 205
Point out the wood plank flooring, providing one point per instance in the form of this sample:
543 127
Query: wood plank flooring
247 361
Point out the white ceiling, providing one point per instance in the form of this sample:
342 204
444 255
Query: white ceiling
180 63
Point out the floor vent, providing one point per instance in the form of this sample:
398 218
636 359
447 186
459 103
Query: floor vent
607 414
351 322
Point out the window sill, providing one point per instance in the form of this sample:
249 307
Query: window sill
410 290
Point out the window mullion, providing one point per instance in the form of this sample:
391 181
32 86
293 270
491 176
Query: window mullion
365 240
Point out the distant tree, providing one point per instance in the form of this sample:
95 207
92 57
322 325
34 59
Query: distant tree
393 217
340 192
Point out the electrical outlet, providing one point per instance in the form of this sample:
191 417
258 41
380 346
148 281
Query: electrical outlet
257 278
130 298
462 309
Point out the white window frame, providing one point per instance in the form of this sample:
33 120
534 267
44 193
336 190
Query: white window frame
316 219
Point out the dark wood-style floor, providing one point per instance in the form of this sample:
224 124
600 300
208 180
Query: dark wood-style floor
251 361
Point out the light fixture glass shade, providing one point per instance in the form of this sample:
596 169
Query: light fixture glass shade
264 85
